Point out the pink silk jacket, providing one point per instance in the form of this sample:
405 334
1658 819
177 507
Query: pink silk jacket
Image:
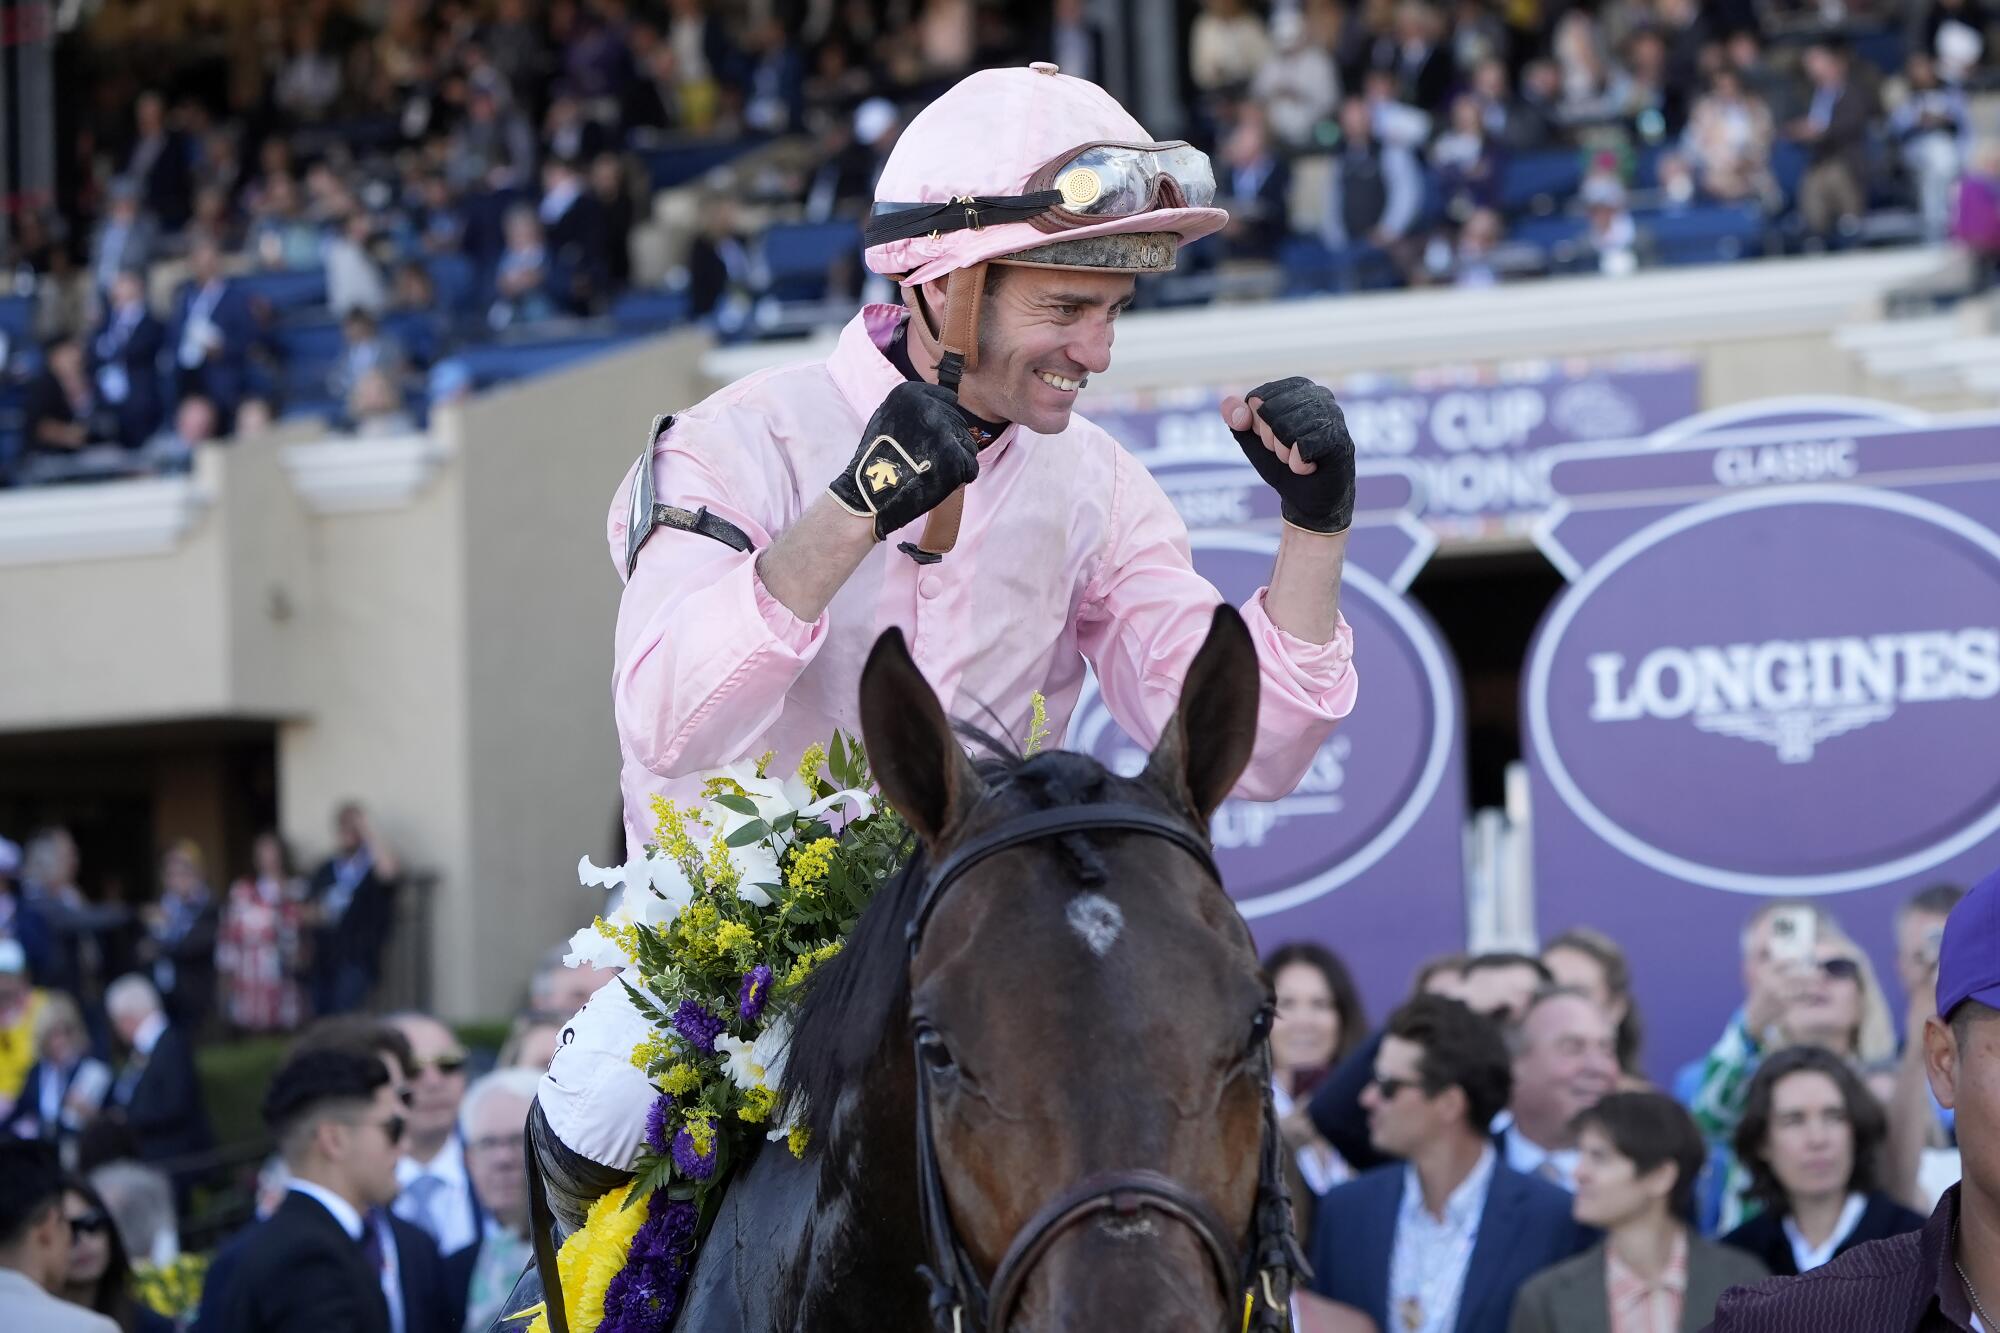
1069 552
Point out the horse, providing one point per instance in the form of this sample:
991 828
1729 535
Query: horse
1036 1078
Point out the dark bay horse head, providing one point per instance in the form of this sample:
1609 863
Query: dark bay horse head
1080 1007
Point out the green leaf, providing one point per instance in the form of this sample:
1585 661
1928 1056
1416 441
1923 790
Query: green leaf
741 805
754 831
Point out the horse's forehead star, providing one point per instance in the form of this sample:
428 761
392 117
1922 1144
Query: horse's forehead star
1096 920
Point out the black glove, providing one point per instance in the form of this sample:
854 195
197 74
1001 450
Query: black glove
915 451
1302 414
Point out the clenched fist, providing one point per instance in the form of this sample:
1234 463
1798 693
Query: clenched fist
1293 433
915 451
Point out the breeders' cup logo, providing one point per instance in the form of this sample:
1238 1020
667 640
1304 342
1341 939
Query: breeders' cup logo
1795 690
1369 782
1790 695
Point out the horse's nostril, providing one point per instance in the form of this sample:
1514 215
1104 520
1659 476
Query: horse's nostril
1129 1226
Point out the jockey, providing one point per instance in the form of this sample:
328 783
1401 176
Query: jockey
771 532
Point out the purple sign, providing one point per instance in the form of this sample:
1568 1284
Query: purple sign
1378 816
1760 684
1473 440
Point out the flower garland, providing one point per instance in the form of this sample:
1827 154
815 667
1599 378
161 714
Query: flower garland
734 905
171 1289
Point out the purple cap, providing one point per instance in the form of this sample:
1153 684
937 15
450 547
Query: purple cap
1969 958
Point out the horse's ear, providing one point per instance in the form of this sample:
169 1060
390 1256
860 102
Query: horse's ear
917 761
1206 744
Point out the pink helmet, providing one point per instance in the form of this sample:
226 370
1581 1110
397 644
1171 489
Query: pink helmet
1029 166
1031 160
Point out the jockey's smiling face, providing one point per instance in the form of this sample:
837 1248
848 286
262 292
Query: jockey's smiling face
1042 333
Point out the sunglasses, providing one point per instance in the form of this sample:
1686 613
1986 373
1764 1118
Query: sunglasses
90 1224
1841 969
392 1129
1388 1089
451 1062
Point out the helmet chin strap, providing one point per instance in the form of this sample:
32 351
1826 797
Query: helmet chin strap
958 341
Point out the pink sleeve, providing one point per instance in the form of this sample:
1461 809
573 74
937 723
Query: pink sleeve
1145 614
705 655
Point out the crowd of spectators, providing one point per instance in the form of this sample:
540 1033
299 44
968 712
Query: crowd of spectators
1508 1081
1472 143
266 212
104 1011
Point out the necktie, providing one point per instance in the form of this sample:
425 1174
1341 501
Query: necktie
426 1202
371 1243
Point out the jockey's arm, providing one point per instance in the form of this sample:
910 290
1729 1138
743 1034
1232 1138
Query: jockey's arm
1304 597
813 559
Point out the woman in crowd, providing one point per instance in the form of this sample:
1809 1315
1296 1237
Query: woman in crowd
1810 1138
1728 137
1639 1157
1319 1020
1833 1003
258 952
100 1274
531 1043
65 1087
1592 962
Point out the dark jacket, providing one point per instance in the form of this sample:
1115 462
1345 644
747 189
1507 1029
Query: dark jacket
135 352
26 1120
221 375
159 1098
1845 139
356 939
1525 1228
187 981
1764 1234
1575 1297
428 1305
1905 1284
297 1272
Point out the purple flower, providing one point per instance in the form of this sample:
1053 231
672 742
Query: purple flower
656 1123
640 1301
698 1026
667 1237
692 1164
756 991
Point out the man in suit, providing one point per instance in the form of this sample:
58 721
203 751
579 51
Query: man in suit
494 1115
213 331
353 896
317 1262
416 1288
125 360
437 1192
156 1093
1441 1243
1835 131
35 1243
1565 1060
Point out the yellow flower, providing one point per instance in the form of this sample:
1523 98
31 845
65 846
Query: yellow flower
649 1049
679 1080
719 873
811 760
797 1140
811 863
701 1135
670 833
764 762
1038 722
593 1256
757 1104
804 967
721 786
731 936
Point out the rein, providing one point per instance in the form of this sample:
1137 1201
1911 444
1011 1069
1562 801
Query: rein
959 1300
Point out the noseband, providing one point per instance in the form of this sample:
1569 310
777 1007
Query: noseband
1263 1272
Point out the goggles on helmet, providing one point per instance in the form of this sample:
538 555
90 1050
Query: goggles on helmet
1089 184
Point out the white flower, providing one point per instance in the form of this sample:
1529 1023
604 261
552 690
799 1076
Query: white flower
772 796
596 876
590 948
751 1065
862 802
755 865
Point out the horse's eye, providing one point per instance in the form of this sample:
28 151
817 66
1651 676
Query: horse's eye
935 1054
1260 1026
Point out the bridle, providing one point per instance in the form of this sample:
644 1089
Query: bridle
1263 1273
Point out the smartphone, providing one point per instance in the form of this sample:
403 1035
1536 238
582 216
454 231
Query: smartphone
1794 936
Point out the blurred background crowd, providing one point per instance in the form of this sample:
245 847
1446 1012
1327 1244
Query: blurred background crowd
139 1045
356 209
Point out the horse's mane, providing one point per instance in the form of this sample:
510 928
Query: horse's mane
850 1003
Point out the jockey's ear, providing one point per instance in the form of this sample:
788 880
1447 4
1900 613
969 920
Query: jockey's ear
917 760
1206 744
